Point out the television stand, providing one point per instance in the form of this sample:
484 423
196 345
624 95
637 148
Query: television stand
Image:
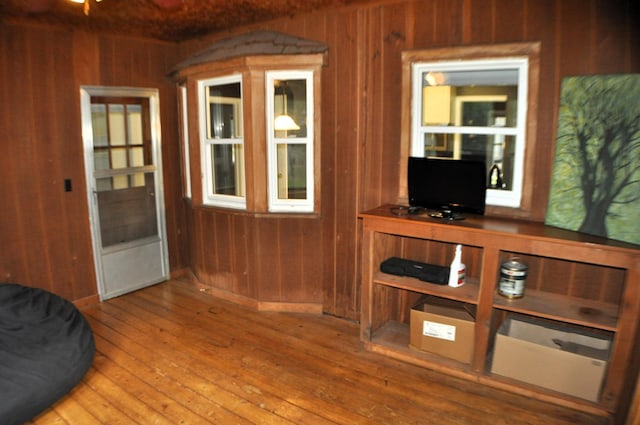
580 282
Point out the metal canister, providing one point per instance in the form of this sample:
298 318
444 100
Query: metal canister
513 277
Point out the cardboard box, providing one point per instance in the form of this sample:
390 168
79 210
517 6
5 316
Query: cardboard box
444 327
567 359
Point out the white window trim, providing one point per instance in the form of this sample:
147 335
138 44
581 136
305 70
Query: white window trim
289 205
208 197
505 198
185 142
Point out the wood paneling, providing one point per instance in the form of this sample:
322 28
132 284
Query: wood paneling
45 231
362 95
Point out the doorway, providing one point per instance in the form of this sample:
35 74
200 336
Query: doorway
121 138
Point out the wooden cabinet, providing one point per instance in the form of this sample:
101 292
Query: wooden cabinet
588 282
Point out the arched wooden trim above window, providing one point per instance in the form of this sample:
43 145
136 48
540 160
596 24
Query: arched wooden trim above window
257 43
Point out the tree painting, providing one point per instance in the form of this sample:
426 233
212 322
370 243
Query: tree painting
595 186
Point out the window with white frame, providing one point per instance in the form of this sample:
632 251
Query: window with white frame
222 142
474 109
290 141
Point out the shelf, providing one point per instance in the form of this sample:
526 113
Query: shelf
570 309
573 279
467 293
392 339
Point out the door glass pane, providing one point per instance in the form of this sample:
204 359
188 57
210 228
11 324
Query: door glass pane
99 125
117 133
129 213
118 158
227 169
120 182
101 159
136 157
292 171
134 120
105 183
137 180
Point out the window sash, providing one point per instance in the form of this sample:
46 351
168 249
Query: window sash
506 198
210 138
284 153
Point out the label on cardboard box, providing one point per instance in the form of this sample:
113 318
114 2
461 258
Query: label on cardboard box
439 330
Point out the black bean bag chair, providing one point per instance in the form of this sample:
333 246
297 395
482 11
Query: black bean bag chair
46 347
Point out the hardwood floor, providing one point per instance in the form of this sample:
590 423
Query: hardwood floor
172 354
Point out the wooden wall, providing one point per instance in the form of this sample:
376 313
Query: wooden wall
44 231
361 113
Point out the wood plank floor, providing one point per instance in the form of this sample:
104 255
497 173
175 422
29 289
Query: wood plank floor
171 354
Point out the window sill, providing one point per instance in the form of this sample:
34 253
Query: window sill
256 214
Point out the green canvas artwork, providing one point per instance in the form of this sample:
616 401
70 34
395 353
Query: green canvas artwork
595 187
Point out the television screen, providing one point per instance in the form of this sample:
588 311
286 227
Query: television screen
449 186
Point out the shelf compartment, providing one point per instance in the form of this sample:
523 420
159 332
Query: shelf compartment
574 310
392 339
467 293
579 280
575 357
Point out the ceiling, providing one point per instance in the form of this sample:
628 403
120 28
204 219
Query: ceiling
170 20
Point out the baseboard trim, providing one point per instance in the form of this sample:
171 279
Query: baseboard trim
282 307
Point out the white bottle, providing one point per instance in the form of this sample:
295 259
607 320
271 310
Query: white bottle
457 270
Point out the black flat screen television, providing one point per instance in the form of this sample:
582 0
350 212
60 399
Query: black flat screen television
447 186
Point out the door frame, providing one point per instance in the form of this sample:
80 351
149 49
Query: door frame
86 92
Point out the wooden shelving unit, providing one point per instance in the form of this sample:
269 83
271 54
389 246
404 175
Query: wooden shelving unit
577 279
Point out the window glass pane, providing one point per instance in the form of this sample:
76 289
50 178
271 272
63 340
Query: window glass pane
134 116
292 171
227 170
99 125
224 111
290 108
117 133
455 98
492 149
483 113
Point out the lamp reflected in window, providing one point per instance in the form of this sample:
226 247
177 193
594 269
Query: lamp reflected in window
283 121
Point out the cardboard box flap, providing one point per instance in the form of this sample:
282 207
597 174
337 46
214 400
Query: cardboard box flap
557 336
445 307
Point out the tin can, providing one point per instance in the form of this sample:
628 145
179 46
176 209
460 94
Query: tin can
513 276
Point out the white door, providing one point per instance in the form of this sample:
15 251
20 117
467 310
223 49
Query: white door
121 137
